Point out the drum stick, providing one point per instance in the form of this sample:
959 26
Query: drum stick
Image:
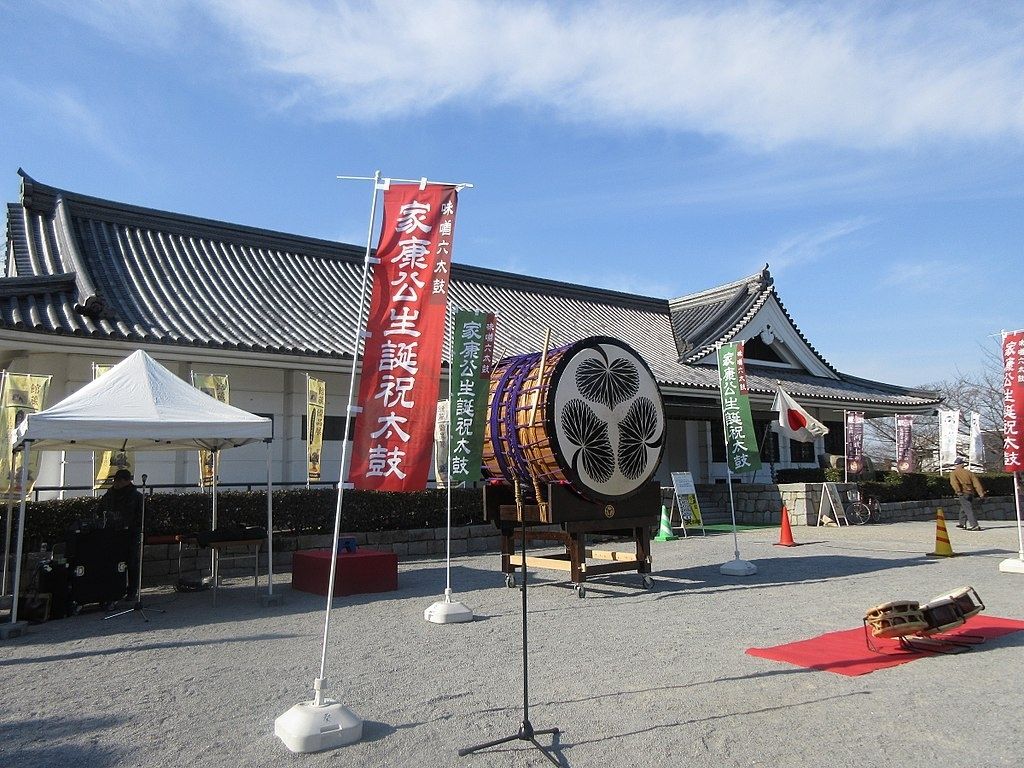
540 375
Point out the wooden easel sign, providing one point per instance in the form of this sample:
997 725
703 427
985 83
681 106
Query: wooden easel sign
830 494
684 498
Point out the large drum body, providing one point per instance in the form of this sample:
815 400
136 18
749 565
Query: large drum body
593 418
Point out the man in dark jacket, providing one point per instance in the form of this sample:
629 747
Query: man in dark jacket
121 507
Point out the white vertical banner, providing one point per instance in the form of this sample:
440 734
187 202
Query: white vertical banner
949 427
976 454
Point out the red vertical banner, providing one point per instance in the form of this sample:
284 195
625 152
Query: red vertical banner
1013 400
405 331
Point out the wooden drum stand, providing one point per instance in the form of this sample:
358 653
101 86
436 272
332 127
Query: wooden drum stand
633 517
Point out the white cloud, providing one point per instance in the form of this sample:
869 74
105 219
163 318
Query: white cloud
765 74
922 275
60 109
809 246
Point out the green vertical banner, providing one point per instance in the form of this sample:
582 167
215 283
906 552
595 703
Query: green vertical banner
740 441
473 344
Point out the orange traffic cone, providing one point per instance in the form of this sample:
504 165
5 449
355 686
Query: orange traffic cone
786 533
942 546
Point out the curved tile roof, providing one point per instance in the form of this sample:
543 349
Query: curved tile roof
83 266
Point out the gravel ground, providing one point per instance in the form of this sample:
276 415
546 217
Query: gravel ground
631 677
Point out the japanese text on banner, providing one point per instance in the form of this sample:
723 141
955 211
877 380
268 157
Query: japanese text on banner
471 368
740 441
22 394
1013 400
316 407
405 331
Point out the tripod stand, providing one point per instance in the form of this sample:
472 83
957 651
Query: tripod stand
526 730
138 583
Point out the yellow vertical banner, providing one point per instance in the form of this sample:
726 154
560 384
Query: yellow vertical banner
216 386
109 461
316 408
22 394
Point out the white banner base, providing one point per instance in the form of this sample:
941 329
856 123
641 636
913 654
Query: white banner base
739 567
307 727
12 629
448 611
1012 565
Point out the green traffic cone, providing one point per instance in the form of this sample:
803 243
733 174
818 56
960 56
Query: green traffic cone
665 533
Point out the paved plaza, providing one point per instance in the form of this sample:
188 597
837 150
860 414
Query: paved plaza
631 677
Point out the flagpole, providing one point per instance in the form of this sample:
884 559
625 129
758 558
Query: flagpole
322 723
736 567
448 611
309 427
1016 564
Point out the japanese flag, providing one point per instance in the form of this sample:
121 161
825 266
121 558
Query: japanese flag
794 422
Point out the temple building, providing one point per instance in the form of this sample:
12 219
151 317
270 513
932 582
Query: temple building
90 280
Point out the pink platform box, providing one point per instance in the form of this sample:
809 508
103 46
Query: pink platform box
365 570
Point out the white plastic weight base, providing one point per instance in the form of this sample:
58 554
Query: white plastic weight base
9 631
738 567
448 612
1012 565
307 727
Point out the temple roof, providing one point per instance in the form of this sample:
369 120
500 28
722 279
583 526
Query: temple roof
80 266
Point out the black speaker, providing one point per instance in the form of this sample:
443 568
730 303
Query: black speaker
55 579
99 563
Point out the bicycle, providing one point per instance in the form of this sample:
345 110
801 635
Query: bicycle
861 512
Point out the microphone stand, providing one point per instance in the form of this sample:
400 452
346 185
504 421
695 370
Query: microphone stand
526 731
138 584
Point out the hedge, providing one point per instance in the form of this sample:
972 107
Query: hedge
896 486
304 510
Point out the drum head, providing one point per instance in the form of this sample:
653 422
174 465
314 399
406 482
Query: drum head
607 418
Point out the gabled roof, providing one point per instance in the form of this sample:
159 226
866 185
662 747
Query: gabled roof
701 321
86 267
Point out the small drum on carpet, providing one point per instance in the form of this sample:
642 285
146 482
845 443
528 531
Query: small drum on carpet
896 619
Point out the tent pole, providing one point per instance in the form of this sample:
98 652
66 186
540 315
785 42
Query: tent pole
270 527
21 532
213 491
8 520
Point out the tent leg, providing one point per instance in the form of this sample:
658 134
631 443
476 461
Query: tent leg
16 628
270 598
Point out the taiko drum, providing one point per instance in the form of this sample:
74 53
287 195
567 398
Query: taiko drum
592 417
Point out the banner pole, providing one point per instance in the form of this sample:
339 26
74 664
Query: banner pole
738 566
846 446
368 263
448 611
309 427
312 726
452 313
1016 564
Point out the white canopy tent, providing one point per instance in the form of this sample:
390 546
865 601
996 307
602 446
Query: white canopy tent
139 405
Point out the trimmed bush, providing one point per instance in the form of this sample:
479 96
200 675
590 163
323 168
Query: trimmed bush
303 510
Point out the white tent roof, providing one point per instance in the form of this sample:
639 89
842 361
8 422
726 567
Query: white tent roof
140 405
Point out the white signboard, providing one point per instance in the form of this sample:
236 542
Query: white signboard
686 498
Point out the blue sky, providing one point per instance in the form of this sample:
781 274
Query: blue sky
871 153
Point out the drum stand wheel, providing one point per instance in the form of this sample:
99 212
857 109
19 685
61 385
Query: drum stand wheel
581 590
648 581
510 581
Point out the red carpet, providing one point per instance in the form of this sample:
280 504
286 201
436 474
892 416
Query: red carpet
845 653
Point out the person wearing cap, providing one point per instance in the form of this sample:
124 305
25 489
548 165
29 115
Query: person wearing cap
966 486
121 507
